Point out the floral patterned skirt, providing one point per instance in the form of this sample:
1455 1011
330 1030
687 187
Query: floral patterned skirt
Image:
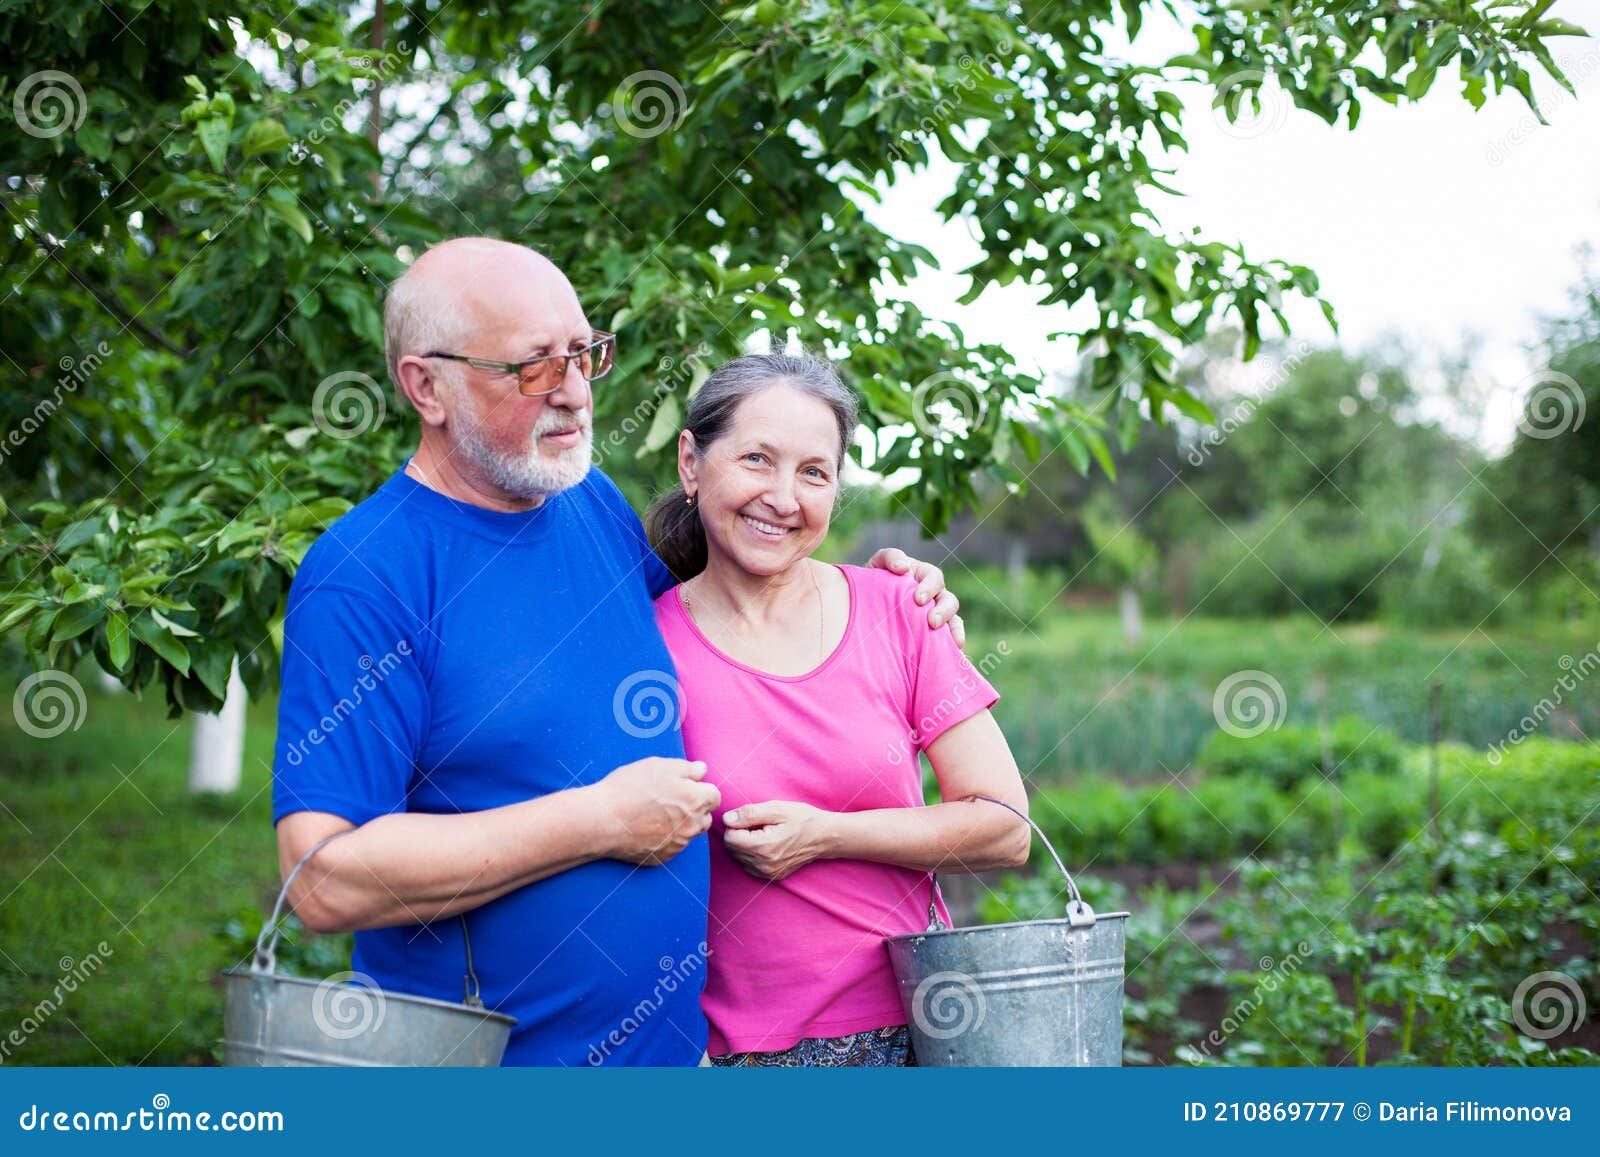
874 1047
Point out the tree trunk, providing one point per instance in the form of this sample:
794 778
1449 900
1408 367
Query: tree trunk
216 749
1132 623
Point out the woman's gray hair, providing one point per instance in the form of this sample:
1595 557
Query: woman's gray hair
673 525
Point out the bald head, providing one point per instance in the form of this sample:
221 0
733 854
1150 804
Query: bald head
470 291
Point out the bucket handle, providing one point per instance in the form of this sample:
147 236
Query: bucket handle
1079 914
266 953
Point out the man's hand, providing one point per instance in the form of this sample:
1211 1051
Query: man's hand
930 588
775 839
657 806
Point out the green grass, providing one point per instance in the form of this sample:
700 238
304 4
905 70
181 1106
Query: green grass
1077 698
103 843
136 862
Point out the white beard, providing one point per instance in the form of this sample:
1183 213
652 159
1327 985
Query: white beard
533 475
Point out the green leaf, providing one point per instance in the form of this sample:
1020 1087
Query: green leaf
291 216
664 426
163 644
213 133
117 639
265 136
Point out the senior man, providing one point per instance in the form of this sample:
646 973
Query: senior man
463 653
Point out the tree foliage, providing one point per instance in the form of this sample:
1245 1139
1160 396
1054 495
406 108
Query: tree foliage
202 211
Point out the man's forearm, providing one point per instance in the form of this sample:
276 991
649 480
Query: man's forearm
412 868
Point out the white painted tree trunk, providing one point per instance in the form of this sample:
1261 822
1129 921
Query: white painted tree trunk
1132 621
216 748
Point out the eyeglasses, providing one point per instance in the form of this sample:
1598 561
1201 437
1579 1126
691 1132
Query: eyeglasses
544 375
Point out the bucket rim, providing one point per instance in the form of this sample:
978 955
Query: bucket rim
907 936
403 998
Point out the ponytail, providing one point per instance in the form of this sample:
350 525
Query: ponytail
676 533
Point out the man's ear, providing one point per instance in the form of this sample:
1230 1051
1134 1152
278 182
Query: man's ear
421 387
688 463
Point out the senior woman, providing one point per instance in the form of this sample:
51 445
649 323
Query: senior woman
809 690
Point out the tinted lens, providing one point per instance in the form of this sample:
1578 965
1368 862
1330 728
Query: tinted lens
598 358
542 377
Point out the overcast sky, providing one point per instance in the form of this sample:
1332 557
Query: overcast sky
1430 219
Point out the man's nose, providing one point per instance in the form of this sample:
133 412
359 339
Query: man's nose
574 392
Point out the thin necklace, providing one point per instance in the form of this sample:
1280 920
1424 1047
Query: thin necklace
822 619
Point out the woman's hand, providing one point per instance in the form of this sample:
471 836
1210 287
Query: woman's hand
774 839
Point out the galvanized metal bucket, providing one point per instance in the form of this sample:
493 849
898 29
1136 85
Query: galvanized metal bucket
278 1021
1035 992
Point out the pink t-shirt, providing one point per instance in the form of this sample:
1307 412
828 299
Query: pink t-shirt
804 956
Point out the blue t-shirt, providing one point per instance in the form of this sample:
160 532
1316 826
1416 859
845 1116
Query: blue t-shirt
443 658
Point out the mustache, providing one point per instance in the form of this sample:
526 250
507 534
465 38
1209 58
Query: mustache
558 423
